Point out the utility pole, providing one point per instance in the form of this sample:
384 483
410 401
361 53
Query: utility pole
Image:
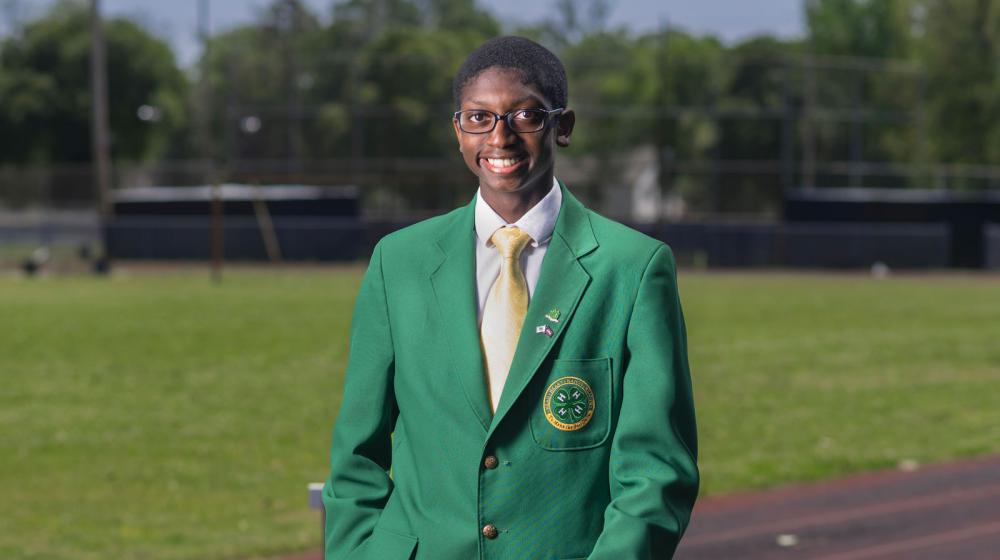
217 228
289 37
789 117
663 152
856 173
101 137
204 87
809 121
100 140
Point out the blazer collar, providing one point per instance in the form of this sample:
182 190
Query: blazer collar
573 225
538 222
561 284
453 279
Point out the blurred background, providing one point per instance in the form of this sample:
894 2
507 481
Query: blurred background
826 171
811 134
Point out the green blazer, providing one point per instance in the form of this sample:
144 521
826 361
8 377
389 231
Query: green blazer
592 450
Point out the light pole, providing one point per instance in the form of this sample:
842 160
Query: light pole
100 139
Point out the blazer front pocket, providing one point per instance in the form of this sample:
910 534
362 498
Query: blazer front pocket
574 411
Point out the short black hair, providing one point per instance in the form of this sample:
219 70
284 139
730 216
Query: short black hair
536 65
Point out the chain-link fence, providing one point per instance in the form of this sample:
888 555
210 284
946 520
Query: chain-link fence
728 150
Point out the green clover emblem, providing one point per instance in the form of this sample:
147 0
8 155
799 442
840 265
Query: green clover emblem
569 403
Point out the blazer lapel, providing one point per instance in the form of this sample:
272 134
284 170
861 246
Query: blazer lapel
561 285
454 282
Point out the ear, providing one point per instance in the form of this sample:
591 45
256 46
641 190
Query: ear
564 128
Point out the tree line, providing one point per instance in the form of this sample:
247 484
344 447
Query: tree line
890 81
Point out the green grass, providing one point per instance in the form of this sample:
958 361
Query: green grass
166 417
809 377
161 416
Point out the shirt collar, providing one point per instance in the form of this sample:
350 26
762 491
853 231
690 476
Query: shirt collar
538 221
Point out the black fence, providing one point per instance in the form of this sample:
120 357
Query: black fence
822 228
816 245
966 215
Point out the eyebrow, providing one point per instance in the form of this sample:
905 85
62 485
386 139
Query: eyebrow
516 102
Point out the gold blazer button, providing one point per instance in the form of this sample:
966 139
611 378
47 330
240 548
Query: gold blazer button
490 531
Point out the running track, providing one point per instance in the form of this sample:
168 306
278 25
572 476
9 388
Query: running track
940 512
949 511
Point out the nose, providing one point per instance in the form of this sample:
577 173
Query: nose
501 135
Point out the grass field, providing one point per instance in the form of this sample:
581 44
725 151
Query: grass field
156 415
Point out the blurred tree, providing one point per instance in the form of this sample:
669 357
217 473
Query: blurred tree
868 78
628 85
45 89
360 21
609 89
574 21
375 82
759 104
610 78
388 93
870 28
408 73
656 90
961 50
261 77
874 81
458 16
953 45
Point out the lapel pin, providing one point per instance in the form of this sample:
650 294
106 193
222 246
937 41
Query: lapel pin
553 315
543 329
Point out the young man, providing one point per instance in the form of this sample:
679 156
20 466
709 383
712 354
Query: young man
519 364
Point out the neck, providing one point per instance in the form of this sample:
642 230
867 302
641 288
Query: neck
511 206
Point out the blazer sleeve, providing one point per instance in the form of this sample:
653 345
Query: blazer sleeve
359 484
653 471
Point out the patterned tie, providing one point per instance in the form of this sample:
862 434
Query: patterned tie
503 314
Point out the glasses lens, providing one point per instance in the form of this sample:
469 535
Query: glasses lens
527 120
476 121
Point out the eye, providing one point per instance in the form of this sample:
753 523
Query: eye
476 116
528 115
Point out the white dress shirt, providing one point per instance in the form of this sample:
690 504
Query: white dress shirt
538 222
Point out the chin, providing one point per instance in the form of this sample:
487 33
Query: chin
507 189
512 184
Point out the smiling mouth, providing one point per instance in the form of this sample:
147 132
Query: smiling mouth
503 165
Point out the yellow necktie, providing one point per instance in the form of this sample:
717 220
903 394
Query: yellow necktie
503 313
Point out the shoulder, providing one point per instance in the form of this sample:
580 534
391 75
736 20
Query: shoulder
625 246
416 243
423 231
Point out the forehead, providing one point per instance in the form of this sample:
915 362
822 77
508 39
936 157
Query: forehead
500 87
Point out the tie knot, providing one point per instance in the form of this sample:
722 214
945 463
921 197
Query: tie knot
510 241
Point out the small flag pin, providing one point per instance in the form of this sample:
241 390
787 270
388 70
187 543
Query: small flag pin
543 329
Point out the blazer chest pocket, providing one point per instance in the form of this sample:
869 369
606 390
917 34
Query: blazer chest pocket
574 411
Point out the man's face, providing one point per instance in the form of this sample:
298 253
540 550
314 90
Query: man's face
506 161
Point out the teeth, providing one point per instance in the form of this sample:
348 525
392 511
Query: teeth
504 162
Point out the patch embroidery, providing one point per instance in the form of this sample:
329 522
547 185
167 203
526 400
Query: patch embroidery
569 403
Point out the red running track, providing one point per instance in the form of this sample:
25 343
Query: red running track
941 512
948 511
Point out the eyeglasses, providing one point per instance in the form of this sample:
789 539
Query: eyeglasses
481 121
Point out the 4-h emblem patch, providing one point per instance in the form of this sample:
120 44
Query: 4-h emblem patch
569 403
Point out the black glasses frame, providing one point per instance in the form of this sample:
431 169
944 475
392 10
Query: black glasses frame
507 119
